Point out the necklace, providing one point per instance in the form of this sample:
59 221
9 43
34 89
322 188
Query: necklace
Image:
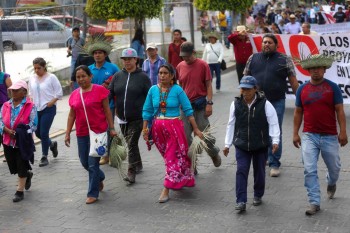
162 100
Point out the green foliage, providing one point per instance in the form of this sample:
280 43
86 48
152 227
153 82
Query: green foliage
119 9
215 5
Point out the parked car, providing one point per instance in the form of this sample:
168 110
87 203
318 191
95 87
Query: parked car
20 30
92 29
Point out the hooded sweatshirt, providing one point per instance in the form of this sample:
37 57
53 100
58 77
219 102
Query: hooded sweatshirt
130 90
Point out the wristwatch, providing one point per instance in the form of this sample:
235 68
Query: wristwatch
210 102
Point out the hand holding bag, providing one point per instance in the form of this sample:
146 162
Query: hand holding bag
223 62
98 142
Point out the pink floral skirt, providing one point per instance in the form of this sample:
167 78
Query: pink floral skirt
170 139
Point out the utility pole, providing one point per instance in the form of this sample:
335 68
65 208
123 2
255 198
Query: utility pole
192 22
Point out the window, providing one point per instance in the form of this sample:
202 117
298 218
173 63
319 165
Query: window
16 25
47 25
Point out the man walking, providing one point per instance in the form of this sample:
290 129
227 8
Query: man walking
271 69
174 49
194 77
242 49
151 65
320 103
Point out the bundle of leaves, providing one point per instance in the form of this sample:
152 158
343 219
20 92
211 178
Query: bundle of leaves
118 154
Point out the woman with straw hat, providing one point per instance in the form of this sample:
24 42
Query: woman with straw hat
213 54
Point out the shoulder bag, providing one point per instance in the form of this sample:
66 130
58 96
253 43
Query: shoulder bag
98 142
223 63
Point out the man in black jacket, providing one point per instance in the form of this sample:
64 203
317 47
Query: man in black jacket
130 87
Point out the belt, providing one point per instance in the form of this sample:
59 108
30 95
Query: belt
167 118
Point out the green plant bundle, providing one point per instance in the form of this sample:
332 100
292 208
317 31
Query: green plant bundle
118 153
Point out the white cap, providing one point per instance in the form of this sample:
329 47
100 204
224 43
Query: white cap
151 45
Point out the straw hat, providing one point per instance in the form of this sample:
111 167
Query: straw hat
98 43
316 60
213 34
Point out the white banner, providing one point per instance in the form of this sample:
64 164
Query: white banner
300 45
331 28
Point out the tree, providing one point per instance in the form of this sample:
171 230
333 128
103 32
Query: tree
120 9
217 5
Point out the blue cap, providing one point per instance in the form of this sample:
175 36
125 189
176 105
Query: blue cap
247 82
129 52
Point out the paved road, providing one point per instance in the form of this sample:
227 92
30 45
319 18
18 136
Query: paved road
56 201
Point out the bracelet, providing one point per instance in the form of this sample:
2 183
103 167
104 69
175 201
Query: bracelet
145 130
112 128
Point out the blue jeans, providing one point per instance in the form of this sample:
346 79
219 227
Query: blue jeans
244 159
92 165
45 119
216 68
274 159
312 144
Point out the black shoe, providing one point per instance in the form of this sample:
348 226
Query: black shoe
53 148
43 162
257 201
29 180
131 176
240 207
216 160
313 209
18 196
138 168
331 190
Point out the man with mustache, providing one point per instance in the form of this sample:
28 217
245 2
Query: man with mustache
271 70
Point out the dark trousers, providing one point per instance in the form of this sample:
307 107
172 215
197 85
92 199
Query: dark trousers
132 132
240 68
216 68
244 159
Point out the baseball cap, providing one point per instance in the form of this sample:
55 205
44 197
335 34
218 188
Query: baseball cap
151 45
129 52
75 28
187 48
247 82
18 85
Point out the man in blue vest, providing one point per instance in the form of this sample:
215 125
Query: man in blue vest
271 70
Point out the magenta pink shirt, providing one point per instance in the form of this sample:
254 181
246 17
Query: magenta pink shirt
94 109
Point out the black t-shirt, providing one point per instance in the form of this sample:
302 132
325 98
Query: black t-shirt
339 17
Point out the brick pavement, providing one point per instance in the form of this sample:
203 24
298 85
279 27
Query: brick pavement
56 201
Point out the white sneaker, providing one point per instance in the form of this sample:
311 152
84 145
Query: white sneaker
275 172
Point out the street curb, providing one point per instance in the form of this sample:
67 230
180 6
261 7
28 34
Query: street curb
53 135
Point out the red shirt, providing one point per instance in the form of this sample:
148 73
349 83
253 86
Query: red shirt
174 54
193 77
242 48
94 109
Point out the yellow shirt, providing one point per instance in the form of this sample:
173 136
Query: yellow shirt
222 20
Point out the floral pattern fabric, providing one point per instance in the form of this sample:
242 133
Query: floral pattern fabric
169 138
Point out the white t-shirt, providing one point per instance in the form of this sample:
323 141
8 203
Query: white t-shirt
44 90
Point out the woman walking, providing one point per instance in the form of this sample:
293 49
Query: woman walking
162 106
45 90
18 120
98 113
138 44
213 54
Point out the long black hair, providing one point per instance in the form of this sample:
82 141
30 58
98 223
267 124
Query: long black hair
139 36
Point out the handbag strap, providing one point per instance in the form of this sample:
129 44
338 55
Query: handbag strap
214 51
82 100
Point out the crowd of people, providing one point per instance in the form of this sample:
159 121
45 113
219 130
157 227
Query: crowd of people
169 102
